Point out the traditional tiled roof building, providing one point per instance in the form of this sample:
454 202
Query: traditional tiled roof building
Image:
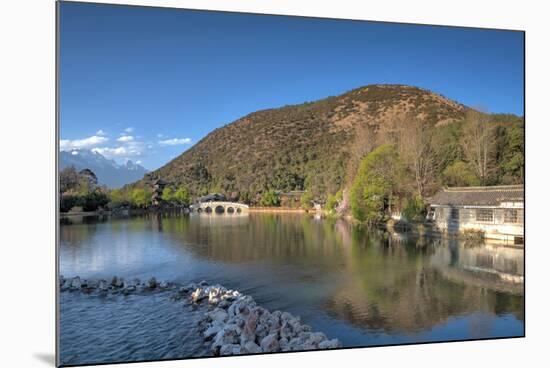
496 210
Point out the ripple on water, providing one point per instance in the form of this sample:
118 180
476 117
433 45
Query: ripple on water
362 286
127 328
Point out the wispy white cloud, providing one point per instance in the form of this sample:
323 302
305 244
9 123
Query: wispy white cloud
175 141
111 152
126 150
123 147
90 142
125 138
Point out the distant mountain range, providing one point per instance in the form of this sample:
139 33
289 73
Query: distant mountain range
108 172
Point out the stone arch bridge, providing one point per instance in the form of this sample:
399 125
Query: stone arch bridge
220 207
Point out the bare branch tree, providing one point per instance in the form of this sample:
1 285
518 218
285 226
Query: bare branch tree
478 144
417 149
365 141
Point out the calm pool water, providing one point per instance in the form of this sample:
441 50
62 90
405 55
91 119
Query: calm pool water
362 286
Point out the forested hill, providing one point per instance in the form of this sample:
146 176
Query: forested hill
317 146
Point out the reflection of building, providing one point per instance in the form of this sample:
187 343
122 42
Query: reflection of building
496 211
404 289
492 267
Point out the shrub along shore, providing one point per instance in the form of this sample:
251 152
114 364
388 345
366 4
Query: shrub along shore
232 323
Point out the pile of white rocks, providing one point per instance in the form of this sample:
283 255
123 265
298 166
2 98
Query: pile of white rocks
233 324
115 285
236 325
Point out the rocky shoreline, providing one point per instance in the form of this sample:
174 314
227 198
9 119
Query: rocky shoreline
232 323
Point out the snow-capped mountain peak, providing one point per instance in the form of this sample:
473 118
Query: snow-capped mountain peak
108 171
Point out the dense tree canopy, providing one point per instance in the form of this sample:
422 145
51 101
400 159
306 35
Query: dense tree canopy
377 183
270 198
80 189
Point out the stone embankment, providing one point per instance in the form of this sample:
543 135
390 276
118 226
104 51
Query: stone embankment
232 323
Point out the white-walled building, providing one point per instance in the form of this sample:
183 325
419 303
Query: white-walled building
497 211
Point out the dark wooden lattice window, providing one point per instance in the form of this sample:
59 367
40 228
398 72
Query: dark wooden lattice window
484 215
511 216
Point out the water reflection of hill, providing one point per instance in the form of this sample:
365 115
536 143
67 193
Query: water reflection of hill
390 283
491 267
408 285
76 229
273 237
367 277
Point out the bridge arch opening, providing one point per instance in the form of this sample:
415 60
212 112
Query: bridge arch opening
239 210
208 210
199 210
230 210
220 209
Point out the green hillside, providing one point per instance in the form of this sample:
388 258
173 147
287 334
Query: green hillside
318 146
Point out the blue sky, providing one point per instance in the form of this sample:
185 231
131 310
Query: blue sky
147 83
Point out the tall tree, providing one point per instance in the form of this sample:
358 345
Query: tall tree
512 159
365 141
68 179
478 144
376 183
459 174
419 153
167 194
140 197
446 140
182 196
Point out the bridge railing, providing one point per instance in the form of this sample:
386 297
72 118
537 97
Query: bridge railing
225 204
